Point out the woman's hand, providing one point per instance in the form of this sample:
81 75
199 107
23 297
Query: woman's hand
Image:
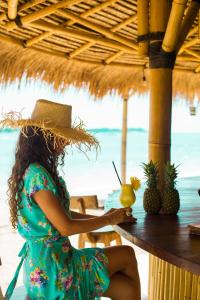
119 215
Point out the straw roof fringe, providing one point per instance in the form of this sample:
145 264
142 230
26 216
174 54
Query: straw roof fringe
94 44
60 73
16 62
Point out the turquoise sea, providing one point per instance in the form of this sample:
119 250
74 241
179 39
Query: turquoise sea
90 174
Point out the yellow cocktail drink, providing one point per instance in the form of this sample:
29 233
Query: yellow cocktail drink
127 195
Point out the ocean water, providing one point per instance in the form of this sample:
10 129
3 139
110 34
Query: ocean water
95 173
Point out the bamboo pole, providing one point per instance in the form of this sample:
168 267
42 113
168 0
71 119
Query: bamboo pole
193 53
160 96
46 34
94 10
71 22
189 44
12 9
188 21
43 25
98 28
173 27
160 118
159 14
41 13
84 14
197 69
124 140
22 7
143 25
113 57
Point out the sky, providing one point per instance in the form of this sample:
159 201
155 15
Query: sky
105 113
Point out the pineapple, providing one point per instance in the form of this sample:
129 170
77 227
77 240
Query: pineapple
151 198
171 200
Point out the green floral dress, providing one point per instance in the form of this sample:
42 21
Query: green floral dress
53 269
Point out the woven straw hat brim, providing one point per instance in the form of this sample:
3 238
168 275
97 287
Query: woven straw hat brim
74 135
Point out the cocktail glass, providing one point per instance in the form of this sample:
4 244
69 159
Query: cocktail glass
127 196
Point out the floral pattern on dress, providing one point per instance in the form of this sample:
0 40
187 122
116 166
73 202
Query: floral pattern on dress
38 278
64 280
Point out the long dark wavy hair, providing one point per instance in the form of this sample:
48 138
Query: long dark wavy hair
32 147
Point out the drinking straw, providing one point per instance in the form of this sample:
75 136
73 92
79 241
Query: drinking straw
117 173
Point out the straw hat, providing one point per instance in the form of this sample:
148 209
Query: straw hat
55 120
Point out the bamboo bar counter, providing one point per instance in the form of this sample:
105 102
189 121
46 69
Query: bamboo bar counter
174 260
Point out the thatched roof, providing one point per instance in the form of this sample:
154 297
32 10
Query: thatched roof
89 43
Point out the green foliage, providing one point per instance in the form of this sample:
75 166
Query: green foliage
171 174
151 174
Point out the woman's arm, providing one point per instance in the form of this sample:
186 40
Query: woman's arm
77 215
55 213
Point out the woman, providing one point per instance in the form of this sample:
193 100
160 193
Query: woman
39 207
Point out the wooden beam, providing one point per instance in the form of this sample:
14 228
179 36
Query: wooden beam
173 27
12 9
124 23
18 42
143 25
191 33
22 7
197 70
43 25
193 53
98 28
90 44
71 22
113 57
187 58
94 10
187 23
113 29
189 44
85 46
81 49
41 13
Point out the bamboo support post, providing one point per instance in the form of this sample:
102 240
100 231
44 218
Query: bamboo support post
143 25
160 91
188 21
173 27
124 140
159 14
160 118
12 9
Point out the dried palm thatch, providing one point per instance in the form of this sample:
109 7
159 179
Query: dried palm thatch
90 43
